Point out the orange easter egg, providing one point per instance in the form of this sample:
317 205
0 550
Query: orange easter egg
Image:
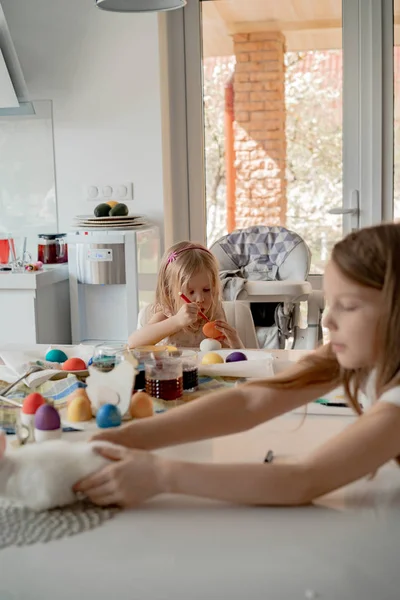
141 406
211 331
74 364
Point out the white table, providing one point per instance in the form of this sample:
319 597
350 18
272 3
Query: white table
344 548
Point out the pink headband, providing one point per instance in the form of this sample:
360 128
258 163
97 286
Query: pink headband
173 256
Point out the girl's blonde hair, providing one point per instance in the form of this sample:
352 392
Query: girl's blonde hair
369 257
178 265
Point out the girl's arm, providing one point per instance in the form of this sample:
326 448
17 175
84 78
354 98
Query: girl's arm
217 414
359 450
158 327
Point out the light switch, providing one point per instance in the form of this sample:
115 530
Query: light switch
93 191
107 191
122 192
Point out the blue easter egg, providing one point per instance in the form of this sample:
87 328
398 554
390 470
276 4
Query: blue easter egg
108 415
55 355
90 361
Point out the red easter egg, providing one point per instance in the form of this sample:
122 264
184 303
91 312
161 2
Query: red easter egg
211 331
32 403
74 364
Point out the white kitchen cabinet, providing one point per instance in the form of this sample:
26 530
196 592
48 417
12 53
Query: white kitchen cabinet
35 307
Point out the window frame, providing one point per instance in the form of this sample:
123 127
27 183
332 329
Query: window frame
368 110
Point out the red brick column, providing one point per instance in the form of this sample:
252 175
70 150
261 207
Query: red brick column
260 142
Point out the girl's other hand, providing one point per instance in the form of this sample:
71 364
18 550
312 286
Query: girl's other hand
231 335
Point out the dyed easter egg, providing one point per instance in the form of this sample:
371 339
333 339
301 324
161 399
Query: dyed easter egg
79 393
47 418
208 345
32 403
108 415
29 408
141 406
90 361
211 358
79 409
56 355
211 331
47 424
74 364
235 357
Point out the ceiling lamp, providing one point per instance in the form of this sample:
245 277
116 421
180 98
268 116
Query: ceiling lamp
139 5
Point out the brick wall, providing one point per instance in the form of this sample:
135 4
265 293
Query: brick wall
260 144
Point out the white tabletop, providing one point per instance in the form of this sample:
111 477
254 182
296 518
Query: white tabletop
344 547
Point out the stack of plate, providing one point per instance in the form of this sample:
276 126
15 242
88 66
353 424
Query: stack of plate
91 222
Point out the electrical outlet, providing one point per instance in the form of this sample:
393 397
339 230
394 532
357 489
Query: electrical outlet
103 192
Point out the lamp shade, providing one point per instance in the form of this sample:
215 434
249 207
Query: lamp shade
139 5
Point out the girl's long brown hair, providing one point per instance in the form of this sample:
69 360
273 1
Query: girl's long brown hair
369 257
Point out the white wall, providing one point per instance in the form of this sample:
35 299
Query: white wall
102 72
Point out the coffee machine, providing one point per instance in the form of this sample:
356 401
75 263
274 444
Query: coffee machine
112 275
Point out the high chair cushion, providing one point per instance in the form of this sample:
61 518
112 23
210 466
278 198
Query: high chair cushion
238 314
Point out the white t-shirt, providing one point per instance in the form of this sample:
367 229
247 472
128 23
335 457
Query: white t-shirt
392 396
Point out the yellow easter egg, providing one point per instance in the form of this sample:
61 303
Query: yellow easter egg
79 409
79 393
211 358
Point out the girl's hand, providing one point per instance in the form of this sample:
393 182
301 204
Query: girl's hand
133 477
187 314
230 334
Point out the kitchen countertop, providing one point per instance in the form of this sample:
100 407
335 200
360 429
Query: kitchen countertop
32 280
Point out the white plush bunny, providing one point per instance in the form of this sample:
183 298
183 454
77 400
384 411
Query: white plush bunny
41 476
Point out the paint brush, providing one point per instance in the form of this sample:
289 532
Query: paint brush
202 315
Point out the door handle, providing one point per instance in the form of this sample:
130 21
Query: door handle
353 210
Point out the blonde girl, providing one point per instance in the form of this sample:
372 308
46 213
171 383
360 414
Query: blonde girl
362 288
190 269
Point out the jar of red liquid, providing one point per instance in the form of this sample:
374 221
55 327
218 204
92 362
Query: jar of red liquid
4 249
52 248
164 378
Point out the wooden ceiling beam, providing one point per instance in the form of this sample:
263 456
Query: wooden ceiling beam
255 26
312 25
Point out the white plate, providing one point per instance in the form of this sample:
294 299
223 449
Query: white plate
113 222
109 226
112 218
110 223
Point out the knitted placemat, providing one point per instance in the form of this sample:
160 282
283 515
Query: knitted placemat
21 526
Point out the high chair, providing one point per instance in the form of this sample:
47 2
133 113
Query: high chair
267 269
